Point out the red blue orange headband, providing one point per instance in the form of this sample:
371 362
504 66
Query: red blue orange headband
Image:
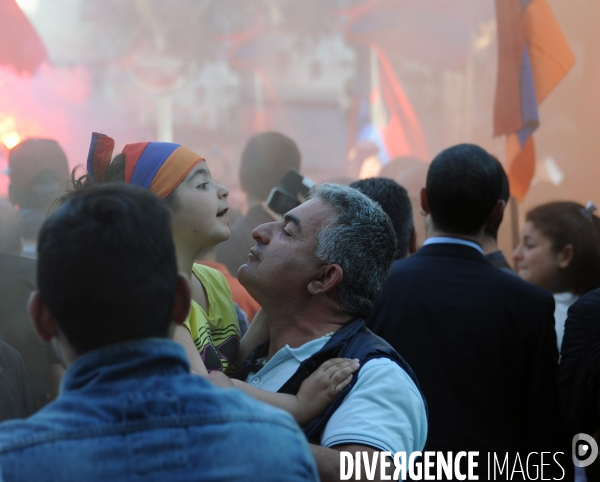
156 166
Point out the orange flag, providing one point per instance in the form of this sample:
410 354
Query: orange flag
534 57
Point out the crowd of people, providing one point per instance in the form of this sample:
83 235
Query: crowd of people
147 333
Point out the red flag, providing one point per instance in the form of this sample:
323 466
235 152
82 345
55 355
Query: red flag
402 134
20 45
381 111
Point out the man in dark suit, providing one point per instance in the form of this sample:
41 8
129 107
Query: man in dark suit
481 341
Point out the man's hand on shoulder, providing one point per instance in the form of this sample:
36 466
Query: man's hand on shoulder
319 390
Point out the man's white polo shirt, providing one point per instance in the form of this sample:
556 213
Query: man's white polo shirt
383 410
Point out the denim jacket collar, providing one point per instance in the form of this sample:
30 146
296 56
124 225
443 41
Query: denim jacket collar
138 358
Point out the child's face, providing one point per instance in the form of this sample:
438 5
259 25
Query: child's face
200 220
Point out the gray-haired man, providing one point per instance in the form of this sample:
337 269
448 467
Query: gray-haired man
316 274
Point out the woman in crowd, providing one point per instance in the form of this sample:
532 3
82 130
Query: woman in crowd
560 252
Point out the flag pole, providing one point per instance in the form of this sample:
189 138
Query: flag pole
468 94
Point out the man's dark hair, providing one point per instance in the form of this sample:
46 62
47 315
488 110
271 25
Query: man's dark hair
106 266
266 158
361 240
394 201
492 230
463 187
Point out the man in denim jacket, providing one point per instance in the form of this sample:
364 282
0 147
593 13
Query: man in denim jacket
129 409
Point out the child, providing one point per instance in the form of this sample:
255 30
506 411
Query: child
199 207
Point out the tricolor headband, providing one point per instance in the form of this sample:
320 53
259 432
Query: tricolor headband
156 166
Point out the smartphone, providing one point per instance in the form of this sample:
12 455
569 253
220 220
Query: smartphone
295 183
281 202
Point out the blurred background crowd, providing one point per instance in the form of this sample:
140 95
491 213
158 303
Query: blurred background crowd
355 88
348 80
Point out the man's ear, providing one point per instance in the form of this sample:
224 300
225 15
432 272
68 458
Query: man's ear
496 213
183 296
565 256
328 277
43 322
424 202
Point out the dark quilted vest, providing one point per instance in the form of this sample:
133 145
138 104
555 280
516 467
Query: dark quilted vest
353 340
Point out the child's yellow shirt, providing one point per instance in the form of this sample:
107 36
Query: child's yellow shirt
216 334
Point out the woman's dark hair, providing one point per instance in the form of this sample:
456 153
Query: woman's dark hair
571 223
115 173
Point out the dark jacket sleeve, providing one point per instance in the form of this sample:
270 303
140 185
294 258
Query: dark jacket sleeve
579 374
543 417
16 400
542 411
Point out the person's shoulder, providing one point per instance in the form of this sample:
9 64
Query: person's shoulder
281 445
8 355
384 409
209 275
428 263
405 265
408 276
200 408
511 292
11 432
583 315
20 433
217 289
588 303
407 261
386 370
231 406
509 281
383 365
426 256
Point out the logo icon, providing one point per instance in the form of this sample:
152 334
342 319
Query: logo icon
585 450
